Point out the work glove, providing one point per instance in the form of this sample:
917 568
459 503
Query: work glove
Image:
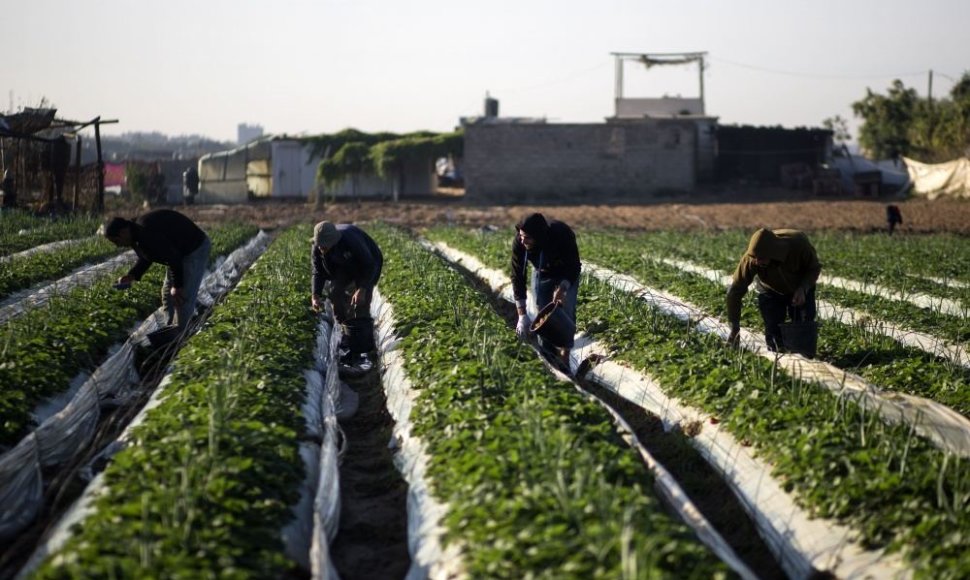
522 328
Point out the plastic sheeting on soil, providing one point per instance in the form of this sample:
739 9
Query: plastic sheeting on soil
429 559
62 435
933 303
664 483
43 248
947 180
802 544
18 303
940 424
935 346
317 514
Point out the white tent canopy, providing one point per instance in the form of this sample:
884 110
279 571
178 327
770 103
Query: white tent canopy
948 180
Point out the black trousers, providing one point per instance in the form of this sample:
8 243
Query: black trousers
777 308
357 323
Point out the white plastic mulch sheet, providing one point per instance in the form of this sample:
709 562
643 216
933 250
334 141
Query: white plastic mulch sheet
665 484
18 303
940 424
429 559
317 515
801 544
935 346
43 248
63 434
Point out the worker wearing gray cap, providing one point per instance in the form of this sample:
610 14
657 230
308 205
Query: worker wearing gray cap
344 256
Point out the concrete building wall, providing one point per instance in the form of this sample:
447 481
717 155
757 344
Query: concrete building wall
621 159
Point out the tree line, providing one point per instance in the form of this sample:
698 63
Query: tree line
901 123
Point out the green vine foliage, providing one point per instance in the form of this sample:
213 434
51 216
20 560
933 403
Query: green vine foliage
350 152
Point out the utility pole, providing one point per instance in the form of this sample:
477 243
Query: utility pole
929 88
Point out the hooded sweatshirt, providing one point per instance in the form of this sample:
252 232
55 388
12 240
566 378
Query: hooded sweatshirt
794 265
354 259
555 255
166 237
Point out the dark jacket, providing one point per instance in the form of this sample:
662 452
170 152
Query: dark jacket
167 237
555 259
355 258
794 265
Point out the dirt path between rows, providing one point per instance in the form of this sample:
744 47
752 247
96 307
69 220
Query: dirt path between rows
371 542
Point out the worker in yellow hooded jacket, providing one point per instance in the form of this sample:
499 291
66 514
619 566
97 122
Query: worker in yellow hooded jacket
784 266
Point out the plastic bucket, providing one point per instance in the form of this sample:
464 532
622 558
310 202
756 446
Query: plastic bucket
554 325
164 335
800 337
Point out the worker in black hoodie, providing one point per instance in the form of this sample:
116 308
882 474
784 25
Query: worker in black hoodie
166 237
346 265
550 246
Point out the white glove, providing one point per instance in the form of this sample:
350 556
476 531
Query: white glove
522 328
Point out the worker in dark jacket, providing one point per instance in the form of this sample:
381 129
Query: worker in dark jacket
550 246
166 237
349 259
785 267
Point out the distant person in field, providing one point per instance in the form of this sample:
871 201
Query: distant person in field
550 246
784 266
349 261
166 237
190 185
893 217
9 188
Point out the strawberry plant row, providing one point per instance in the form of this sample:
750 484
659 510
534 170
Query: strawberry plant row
20 230
924 263
45 347
536 480
874 356
208 479
20 273
839 461
865 259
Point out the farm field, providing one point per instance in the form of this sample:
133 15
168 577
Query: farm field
514 469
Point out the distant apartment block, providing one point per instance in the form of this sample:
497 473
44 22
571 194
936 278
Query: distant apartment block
246 133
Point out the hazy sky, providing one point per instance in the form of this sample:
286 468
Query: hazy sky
312 66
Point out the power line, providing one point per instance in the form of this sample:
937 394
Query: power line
819 76
560 80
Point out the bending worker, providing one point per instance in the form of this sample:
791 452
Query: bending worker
351 262
550 246
784 266
166 237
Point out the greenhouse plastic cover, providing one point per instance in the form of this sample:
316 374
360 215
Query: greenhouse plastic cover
65 432
801 543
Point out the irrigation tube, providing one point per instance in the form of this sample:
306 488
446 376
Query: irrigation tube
933 345
63 434
17 304
802 544
665 484
940 424
428 558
